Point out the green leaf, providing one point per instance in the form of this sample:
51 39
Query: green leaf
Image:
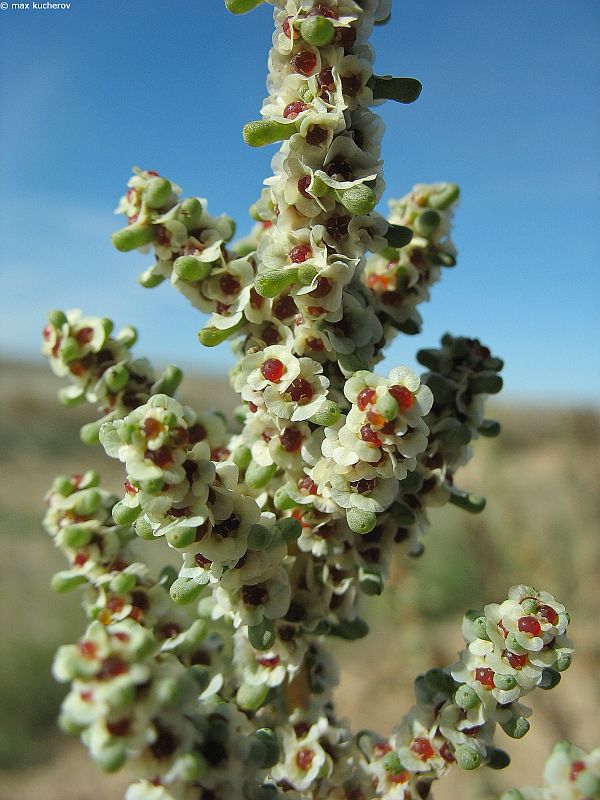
403 90
267 131
398 236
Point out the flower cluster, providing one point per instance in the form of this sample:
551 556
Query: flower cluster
287 524
570 774
512 648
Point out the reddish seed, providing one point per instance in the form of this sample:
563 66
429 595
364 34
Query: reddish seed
152 172
515 660
380 750
325 78
115 604
86 696
316 345
179 436
369 436
307 485
84 336
255 595
151 427
365 397
304 62
529 625
77 368
339 169
351 85
130 488
122 636
345 37
322 11
288 30
316 135
422 747
399 777
303 185
80 559
284 307
292 110
389 429
111 667
197 433
548 613
446 753
119 727
300 253
163 236
297 514
222 308
132 219
228 284
256 300
304 759
272 370
576 768
269 334
485 676
87 649
291 439
201 561
162 457
47 332
301 391
363 486
322 288
269 663
403 396
316 311
253 407
375 418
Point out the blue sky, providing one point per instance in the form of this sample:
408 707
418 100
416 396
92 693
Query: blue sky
510 110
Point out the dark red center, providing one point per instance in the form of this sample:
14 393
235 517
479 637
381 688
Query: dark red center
301 391
300 253
291 440
272 370
403 396
304 62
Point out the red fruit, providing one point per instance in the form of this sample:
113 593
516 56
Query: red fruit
422 747
485 676
201 561
576 768
119 727
548 613
222 308
220 454
365 397
228 284
325 78
162 457
256 301
351 85
316 345
316 135
375 418
292 110
86 696
162 235
345 37
308 485
268 662
111 667
80 559
84 336
87 649
399 777
403 396
115 604
284 307
122 636
300 253
197 433
380 750
304 759
151 427
291 440
304 62
288 30
272 370
369 436
129 488
515 660
269 334
303 185
529 625
446 753
301 391
179 436
322 288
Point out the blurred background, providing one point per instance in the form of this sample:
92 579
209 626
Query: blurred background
510 111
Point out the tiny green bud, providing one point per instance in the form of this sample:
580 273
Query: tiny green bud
490 428
259 537
190 212
392 763
398 236
191 268
511 794
201 675
480 628
191 767
282 501
391 253
529 605
267 131
497 759
181 536
387 407
63 485
318 31
257 477
472 503
359 199
445 198
326 415
144 529
184 591
168 575
403 90
466 697
262 636
430 357
116 377
427 222
550 678
412 483
57 318
588 784
69 349
77 535
127 335
273 281
467 757
157 192
169 381
251 698
88 501
111 758
210 337
242 456
440 681
306 273
65 581
242 6
125 515
350 629
290 528
149 278
515 727
89 433
122 583
268 738
563 660
132 237
483 383
360 521
504 682
371 583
